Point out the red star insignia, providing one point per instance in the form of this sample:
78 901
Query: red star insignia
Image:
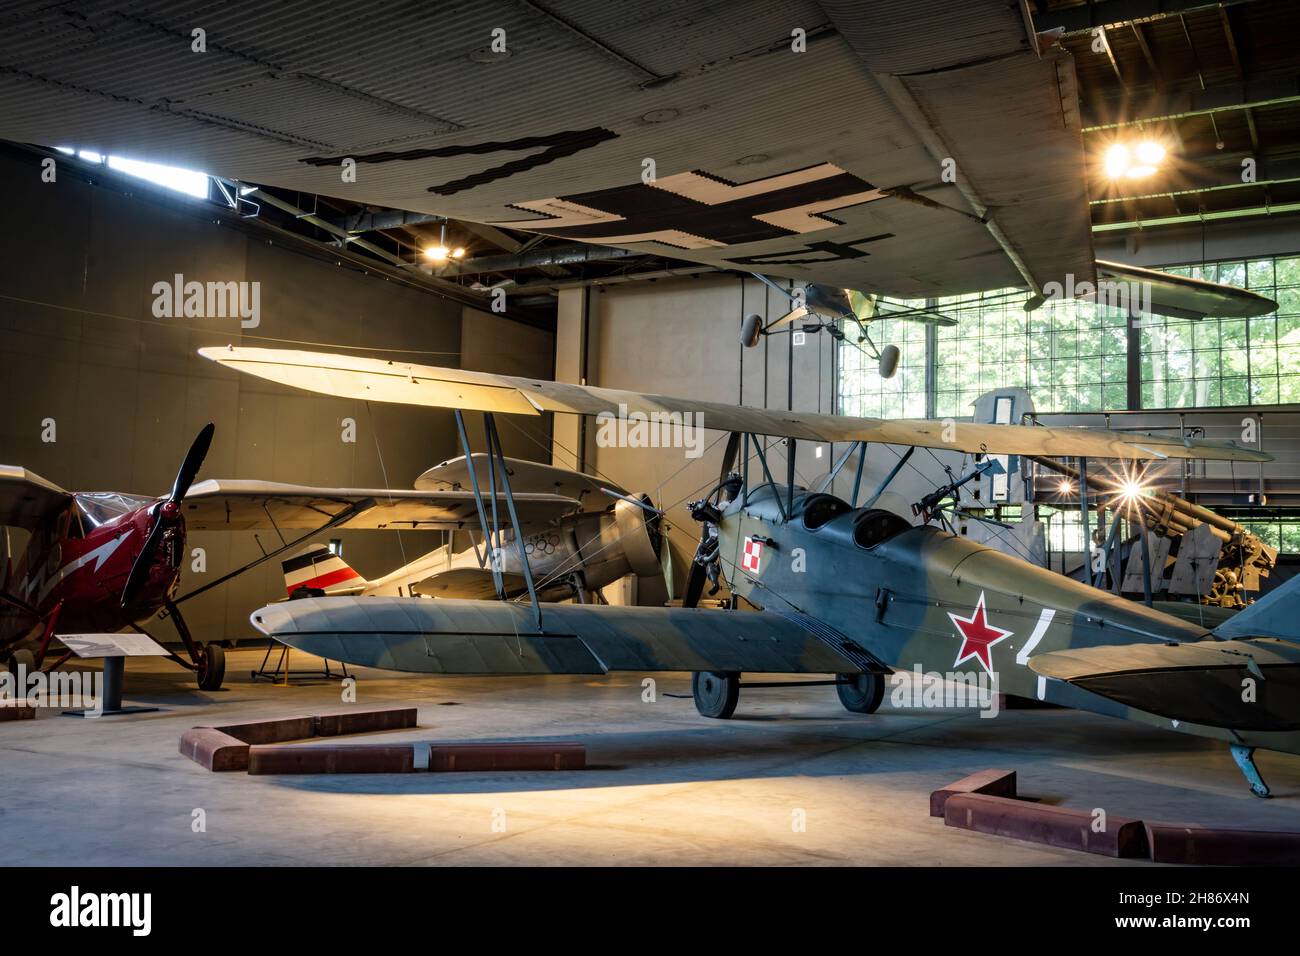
977 636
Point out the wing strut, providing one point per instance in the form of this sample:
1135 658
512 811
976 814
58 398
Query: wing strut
495 453
347 514
497 581
492 531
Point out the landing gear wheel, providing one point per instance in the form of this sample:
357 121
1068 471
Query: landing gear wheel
863 693
212 667
25 659
715 693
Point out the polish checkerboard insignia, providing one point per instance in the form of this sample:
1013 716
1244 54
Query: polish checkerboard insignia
753 556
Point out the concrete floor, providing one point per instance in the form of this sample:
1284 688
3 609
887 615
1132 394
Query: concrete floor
665 786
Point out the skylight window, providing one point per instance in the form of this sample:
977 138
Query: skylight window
186 181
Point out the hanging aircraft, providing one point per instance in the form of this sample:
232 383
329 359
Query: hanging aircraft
573 557
858 592
907 148
101 562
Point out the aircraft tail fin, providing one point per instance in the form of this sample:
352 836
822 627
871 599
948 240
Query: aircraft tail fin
1276 614
318 569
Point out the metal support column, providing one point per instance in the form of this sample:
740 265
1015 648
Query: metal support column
1086 540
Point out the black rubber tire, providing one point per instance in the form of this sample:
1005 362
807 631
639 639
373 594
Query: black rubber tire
212 668
24 657
863 694
716 694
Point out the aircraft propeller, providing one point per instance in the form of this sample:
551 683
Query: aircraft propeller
708 513
166 511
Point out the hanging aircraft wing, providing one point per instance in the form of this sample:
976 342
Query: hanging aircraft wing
500 637
379 380
1244 685
1180 296
241 505
908 147
26 498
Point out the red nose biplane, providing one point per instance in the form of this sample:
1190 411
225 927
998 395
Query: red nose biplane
100 562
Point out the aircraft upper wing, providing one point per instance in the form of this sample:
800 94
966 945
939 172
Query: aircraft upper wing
379 380
908 147
26 497
452 636
239 505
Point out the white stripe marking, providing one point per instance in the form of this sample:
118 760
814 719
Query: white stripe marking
1040 630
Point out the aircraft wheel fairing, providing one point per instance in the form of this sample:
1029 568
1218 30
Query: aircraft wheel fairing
23 658
715 694
863 693
212 667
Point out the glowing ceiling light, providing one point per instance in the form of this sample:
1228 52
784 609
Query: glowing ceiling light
437 253
1149 153
458 253
1136 162
1117 160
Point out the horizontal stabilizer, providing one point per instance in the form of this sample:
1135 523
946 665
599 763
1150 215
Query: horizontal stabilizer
1276 614
496 637
1201 682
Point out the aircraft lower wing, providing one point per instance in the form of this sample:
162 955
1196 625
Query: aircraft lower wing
469 583
370 379
501 638
1202 682
26 498
244 505
525 475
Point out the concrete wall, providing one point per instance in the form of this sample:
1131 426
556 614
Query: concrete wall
79 344
492 343
681 337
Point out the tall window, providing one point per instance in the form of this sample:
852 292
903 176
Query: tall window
1281 533
1212 362
1072 356
862 392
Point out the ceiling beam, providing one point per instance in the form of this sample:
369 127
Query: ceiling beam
493 235
571 254
1157 78
1253 95
1157 221
1114 65
1113 13
384 219
621 278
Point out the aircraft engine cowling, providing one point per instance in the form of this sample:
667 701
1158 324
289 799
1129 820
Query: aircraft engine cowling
604 546
638 531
